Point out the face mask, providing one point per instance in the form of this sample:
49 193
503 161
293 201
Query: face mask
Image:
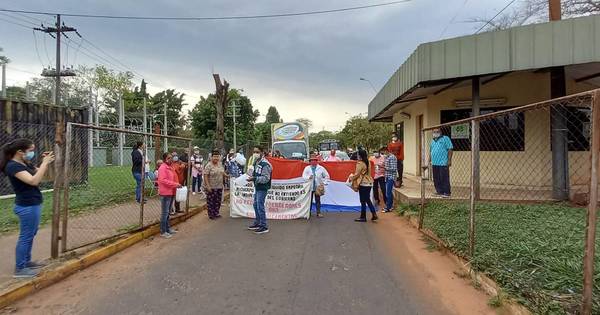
256 156
377 155
436 134
175 158
29 155
196 152
394 139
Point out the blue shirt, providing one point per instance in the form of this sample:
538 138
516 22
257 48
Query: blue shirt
234 169
26 195
391 166
439 150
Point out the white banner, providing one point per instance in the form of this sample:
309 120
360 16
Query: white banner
287 199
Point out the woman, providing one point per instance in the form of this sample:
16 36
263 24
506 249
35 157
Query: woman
214 176
168 182
320 178
196 171
137 168
25 179
379 179
363 177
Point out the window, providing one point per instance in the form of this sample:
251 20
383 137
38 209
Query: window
578 126
502 133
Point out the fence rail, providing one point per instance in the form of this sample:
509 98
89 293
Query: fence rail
519 177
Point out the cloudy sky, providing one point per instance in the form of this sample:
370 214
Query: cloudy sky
307 66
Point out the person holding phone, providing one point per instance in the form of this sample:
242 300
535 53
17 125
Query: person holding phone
16 162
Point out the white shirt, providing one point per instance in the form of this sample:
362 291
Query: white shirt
321 175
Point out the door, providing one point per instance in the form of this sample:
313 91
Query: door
419 146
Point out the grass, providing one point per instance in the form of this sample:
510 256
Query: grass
105 186
534 252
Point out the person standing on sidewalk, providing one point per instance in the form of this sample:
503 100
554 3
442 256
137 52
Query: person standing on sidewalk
379 178
390 173
319 177
440 155
196 171
25 178
180 169
396 147
168 182
261 177
363 180
214 177
137 169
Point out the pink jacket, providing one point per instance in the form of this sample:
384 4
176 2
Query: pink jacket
167 180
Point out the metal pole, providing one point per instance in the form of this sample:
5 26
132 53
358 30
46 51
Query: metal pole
3 80
28 91
144 170
90 131
65 218
165 128
423 178
58 169
145 122
234 129
97 110
475 143
188 181
121 126
590 227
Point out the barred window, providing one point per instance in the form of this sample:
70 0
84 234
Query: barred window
502 133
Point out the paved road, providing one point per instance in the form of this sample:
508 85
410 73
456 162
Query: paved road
327 266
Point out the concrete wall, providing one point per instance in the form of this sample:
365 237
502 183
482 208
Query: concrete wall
531 167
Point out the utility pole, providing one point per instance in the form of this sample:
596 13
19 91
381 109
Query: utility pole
3 80
145 122
122 126
90 131
165 127
97 112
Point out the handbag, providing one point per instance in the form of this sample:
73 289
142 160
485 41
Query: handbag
356 182
320 191
181 194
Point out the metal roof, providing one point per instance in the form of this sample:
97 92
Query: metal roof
557 43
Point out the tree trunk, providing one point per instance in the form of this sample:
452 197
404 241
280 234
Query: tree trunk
222 95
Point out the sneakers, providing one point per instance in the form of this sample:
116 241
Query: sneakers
173 232
34 265
261 230
253 227
320 215
166 235
360 220
26 273
194 193
445 196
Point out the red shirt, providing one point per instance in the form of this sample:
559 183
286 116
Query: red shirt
397 149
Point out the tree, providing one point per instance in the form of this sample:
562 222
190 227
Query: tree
222 100
359 131
15 92
204 119
316 137
534 11
306 122
3 59
273 116
175 102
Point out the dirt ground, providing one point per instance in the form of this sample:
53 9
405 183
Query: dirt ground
327 266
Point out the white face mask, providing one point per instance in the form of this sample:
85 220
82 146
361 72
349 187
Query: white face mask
377 155
436 134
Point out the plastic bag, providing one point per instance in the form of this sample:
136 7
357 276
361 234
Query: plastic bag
240 159
181 194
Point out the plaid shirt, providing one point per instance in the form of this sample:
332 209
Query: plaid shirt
391 167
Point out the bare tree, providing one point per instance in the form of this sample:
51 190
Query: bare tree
222 95
3 59
535 11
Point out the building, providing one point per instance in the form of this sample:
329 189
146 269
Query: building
512 67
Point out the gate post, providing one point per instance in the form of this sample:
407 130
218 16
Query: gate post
67 172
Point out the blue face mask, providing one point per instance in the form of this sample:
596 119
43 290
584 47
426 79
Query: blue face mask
29 155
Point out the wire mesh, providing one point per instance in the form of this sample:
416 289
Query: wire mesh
529 225
103 199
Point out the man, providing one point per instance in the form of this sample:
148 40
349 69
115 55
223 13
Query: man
391 171
137 168
332 157
440 156
319 177
379 183
261 177
396 148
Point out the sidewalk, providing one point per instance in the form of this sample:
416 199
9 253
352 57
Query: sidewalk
82 229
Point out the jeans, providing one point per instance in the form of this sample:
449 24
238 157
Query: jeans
441 179
364 193
165 206
138 186
196 183
259 208
29 220
317 200
400 171
378 184
389 184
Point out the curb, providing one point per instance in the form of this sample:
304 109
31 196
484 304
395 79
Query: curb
489 286
63 270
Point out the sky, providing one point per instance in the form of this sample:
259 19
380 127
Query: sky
306 66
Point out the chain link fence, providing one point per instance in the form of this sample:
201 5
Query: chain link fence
508 190
100 199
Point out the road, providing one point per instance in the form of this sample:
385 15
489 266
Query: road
326 266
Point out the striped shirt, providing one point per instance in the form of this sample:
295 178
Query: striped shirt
391 167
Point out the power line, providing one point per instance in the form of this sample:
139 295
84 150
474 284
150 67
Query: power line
205 18
22 20
495 16
37 51
15 23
